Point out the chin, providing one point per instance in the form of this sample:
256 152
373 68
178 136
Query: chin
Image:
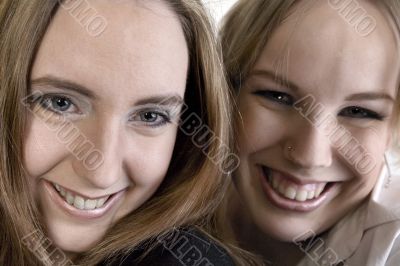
73 240
288 229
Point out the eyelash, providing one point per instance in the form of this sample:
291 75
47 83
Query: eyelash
275 95
46 102
366 114
286 99
164 115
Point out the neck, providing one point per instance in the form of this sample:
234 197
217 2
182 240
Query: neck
251 238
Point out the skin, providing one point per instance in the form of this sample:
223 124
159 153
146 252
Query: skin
141 54
323 56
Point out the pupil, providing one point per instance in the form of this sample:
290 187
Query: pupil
150 116
62 104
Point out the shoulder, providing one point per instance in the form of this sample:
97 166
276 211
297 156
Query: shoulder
380 245
187 246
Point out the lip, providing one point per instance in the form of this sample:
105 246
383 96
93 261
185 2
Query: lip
287 204
82 214
84 196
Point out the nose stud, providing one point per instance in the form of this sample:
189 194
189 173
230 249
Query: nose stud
290 148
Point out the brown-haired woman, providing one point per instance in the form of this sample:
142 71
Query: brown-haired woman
316 84
99 103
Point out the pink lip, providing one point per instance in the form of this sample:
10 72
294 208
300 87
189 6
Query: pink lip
84 196
82 214
297 180
292 205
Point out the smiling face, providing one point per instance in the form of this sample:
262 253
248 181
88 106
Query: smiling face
97 132
292 178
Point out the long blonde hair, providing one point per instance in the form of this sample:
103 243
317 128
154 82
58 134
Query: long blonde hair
194 185
245 31
248 26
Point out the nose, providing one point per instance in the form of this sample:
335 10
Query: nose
98 156
309 147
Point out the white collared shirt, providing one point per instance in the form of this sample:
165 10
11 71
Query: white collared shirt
369 236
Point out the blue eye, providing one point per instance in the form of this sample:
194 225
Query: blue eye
276 96
152 118
358 112
57 104
148 117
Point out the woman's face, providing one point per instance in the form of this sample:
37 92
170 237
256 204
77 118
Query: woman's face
296 175
103 123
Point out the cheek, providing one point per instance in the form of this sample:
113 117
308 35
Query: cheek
151 158
372 143
260 127
42 148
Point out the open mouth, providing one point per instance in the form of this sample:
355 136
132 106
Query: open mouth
286 193
79 201
79 206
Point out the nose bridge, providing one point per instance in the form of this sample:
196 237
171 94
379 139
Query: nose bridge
310 147
99 160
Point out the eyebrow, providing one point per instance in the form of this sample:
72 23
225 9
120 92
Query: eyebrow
277 78
63 84
367 96
51 81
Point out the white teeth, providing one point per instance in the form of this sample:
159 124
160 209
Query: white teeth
282 189
301 195
290 193
90 204
296 192
100 202
78 201
319 189
310 194
70 199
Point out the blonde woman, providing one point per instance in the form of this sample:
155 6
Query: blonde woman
100 105
316 84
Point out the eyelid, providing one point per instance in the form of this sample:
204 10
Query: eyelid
165 119
164 109
371 114
264 93
40 98
50 90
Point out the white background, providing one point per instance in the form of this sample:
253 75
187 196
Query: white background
218 7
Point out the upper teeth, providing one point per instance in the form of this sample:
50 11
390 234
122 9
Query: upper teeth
80 202
294 191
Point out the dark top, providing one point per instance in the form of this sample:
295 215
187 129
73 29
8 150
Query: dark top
181 247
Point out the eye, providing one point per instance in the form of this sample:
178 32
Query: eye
276 96
149 117
57 104
152 118
359 112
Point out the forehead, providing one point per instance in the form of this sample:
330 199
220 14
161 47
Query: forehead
316 47
142 48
